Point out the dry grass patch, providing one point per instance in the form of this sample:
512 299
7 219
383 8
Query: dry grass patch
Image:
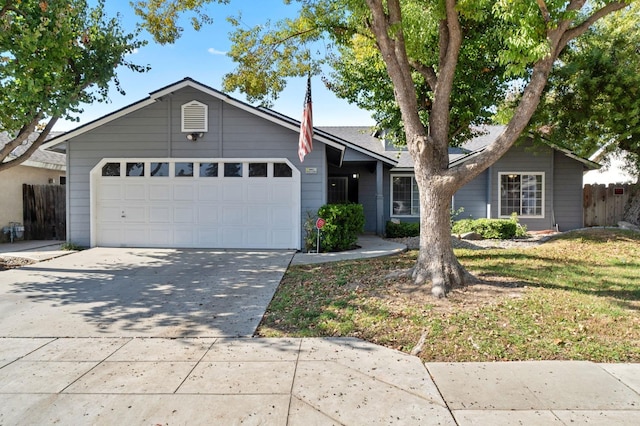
575 297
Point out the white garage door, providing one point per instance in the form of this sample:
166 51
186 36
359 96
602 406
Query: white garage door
212 203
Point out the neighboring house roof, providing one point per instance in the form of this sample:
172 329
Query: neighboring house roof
40 158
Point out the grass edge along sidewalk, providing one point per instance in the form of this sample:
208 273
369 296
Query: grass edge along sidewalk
575 297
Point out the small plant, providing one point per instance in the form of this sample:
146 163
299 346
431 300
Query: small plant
311 233
71 246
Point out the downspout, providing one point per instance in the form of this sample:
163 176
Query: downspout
554 224
169 144
220 117
67 193
488 192
379 199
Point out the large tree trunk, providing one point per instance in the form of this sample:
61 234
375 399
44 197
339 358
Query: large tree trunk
436 261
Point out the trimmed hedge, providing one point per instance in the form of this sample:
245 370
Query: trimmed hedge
402 229
344 222
501 229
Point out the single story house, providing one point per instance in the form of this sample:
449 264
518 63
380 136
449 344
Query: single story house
190 166
42 168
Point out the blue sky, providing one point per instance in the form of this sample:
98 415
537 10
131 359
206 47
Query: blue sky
201 56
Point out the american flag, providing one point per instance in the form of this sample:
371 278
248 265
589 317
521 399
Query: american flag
305 144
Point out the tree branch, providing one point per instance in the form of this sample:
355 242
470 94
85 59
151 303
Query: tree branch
428 73
584 26
451 32
32 148
545 12
394 55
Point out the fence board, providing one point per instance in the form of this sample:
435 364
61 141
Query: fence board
44 212
604 205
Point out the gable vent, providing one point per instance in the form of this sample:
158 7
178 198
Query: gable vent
194 117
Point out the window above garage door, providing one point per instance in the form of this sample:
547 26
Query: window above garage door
208 168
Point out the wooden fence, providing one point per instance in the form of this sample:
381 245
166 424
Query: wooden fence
44 212
604 205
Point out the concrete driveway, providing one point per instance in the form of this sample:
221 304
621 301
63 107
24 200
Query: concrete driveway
120 292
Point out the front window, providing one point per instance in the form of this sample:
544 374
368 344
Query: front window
405 198
522 194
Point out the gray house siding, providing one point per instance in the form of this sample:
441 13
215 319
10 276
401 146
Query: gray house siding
568 209
525 157
155 131
472 198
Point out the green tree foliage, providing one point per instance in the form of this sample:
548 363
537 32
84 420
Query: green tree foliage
54 55
593 96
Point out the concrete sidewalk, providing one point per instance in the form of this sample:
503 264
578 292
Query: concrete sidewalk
148 381
134 378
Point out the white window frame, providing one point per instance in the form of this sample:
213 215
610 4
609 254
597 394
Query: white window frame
414 185
542 197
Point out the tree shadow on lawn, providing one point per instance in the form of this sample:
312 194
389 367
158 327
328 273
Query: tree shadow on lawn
617 282
145 292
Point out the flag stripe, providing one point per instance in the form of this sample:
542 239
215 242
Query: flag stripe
305 143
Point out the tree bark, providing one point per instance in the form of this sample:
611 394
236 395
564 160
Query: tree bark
436 261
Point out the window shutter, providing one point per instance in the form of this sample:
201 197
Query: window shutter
194 117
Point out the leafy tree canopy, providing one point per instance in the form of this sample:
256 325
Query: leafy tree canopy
593 96
54 55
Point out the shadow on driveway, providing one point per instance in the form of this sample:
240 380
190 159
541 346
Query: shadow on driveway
141 292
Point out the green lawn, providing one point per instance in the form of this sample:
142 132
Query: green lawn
575 297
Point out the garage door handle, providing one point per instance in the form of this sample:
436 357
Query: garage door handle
123 215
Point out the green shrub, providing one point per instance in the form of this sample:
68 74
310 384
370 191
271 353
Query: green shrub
402 229
344 222
502 229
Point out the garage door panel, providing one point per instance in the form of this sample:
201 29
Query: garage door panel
232 216
258 237
183 192
111 214
184 214
208 237
282 193
133 235
258 193
135 192
257 216
110 192
135 214
208 192
233 191
282 215
184 236
110 235
198 211
281 237
160 236
160 214
159 192
207 215
233 237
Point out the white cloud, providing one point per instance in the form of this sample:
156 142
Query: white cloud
215 51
